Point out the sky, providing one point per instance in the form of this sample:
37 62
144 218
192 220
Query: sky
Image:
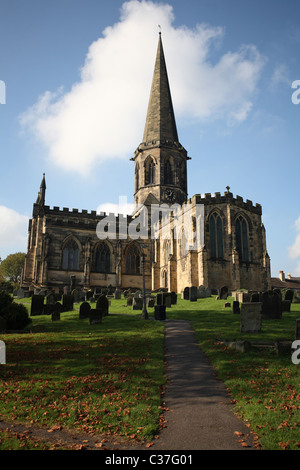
75 79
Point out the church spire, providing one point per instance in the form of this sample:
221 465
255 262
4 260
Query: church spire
160 122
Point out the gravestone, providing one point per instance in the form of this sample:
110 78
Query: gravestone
102 305
55 316
20 293
58 307
159 299
236 307
137 303
50 299
186 293
223 294
67 290
76 295
118 294
37 305
271 305
255 297
289 295
173 298
84 310
88 295
193 294
129 300
167 300
201 292
160 312
95 316
251 317
297 328
67 302
150 301
286 305
48 309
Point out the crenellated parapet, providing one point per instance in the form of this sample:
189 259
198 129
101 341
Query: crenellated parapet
226 198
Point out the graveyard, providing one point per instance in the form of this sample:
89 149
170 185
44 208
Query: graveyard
105 374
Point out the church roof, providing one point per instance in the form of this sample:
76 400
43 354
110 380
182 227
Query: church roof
160 121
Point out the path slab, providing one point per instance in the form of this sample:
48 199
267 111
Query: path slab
200 415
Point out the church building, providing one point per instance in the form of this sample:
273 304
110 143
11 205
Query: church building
224 243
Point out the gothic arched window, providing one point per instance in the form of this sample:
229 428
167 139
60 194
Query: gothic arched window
216 236
150 171
102 259
133 260
168 176
241 236
70 256
168 251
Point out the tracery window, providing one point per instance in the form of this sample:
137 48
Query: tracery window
102 258
71 256
241 236
133 260
216 236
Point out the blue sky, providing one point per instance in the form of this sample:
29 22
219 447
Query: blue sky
78 77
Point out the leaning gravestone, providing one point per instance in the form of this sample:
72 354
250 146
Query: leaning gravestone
102 305
95 316
251 317
193 291
223 294
37 305
137 303
84 310
271 305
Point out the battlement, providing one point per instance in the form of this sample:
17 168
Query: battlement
217 198
84 214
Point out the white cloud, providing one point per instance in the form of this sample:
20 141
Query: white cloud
124 207
12 229
103 115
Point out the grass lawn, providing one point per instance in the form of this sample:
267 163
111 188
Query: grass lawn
108 378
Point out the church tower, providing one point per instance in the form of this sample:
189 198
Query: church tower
160 160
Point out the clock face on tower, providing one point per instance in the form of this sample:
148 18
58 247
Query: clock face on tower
170 195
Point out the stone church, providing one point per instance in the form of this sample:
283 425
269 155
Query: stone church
222 244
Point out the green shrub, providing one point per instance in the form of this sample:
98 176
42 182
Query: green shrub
5 300
16 316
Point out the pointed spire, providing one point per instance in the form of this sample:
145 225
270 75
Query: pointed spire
42 192
160 122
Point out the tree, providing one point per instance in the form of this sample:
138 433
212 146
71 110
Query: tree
11 267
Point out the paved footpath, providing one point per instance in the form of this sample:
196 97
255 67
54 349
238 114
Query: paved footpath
200 413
